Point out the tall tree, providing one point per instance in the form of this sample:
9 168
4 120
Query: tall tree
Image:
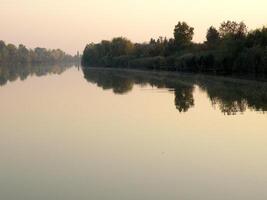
232 28
213 36
183 34
121 46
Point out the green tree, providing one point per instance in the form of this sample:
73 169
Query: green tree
121 46
213 36
232 28
257 37
23 54
90 55
183 34
3 52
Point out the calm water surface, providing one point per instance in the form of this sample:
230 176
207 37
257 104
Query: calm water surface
73 134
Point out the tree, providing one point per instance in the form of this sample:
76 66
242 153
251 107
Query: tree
232 28
183 34
90 55
106 47
12 53
3 51
121 46
213 35
23 54
257 37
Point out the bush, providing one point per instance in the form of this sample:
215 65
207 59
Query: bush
148 63
251 60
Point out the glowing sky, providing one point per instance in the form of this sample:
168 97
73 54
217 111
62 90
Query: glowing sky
70 24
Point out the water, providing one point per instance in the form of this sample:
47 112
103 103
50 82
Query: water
68 133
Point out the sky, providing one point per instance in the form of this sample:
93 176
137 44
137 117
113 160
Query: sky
71 24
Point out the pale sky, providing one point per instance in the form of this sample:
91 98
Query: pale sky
71 24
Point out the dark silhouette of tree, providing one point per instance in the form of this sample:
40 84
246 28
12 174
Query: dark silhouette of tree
232 28
183 34
121 46
257 37
213 36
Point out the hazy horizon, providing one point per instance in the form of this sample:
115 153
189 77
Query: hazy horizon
70 25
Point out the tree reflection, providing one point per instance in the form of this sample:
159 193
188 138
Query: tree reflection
10 73
230 96
109 80
122 81
234 96
184 99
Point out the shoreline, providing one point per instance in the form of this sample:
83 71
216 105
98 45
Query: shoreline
220 77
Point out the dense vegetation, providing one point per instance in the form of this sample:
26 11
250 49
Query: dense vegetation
231 96
10 54
231 49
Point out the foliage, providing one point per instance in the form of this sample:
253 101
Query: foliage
10 54
183 34
213 36
232 28
229 50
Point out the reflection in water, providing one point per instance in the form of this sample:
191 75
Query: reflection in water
184 98
13 72
64 139
235 96
122 82
231 96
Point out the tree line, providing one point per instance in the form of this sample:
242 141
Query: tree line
11 54
230 49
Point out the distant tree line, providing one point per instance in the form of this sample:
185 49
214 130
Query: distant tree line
10 54
231 49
